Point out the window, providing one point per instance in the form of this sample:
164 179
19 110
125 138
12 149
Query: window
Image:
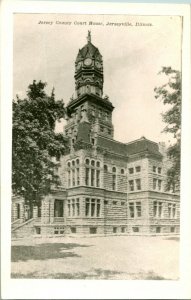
38 230
123 229
131 185
154 169
114 178
122 171
98 164
93 230
154 183
98 208
73 229
157 209
131 170
109 131
114 202
172 210
73 207
114 229
87 161
138 209
106 116
93 111
159 184
78 176
105 168
122 203
135 229
92 208
158 229
131 210
98 178
138 184
138 169
101 128
59 230
105 202
172 229
92 177
87 176
159 170
73 177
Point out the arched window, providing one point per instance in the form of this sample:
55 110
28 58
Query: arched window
114 169
87 161
68 164
105 168
98 164
77 161
122 171
93 163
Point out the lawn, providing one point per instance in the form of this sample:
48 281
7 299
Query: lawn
111 257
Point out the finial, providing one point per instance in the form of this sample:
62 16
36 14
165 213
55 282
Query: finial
89 36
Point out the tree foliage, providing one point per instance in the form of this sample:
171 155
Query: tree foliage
35 142
170 94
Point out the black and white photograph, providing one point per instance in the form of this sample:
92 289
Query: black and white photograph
96 147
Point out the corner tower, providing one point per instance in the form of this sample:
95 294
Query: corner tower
89 107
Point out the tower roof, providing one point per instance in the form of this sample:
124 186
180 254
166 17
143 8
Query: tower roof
89 50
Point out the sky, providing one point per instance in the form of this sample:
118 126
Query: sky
132 58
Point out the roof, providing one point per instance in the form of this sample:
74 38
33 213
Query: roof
89 50
142 145
112 145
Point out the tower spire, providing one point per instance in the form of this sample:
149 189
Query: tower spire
89 36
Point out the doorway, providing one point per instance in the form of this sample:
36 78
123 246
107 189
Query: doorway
58 208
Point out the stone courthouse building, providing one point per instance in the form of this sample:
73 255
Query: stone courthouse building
107 187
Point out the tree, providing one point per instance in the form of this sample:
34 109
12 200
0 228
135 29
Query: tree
170 94
35 143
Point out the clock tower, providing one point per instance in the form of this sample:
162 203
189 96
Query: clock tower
89 106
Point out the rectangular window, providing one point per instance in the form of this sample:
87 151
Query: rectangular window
92 177
73 207
87 207
160 209
114 229
93 230
73 177
138 184
158 229
172 229
101 128
87 176
154 169
98 178
131 170
174 210
58 208
138 169
114 202
78 176
38 230
122 203
105 202
135 229
159 170
73 229
155 208
131 185
98 208
93 208
122 229
77 207
154 183
131 210
169 210
159 184
138 209
69 211
69 181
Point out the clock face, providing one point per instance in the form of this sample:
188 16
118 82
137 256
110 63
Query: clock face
98 65
88 62
79 65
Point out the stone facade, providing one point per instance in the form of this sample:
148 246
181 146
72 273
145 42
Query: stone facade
106 187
